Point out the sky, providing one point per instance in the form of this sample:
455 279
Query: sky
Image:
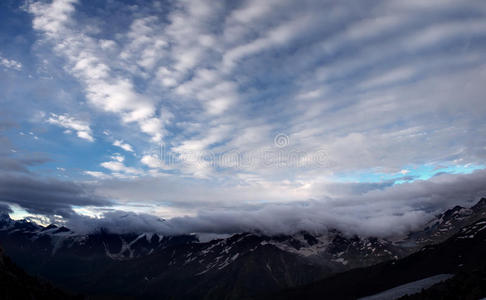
229 116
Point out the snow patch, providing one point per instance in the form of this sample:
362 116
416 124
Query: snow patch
408 288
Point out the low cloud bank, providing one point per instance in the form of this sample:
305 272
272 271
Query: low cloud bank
382 212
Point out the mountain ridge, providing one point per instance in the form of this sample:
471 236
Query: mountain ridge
242 265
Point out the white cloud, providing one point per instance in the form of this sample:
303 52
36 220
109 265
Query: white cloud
10 64
375 87
389 77
117 166
81 128
146 47
85 135
118 157
234 77
154 162
97 174
52 18
279 36
105 89
125 146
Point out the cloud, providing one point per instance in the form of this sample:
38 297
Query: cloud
285 70
97 174
390 77
381 211
120 222
275 37
47 196
376 88
117 157
154 162
117 167
21 163
13 162
5 124
52 18
10 64
5 209
104 88
82 128
125 146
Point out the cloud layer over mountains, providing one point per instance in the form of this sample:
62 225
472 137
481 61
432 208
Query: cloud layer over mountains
381 212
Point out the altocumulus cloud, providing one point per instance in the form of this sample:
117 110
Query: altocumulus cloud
380 87
372 83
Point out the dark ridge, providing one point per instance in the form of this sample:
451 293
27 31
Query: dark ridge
17 284
62 229
52 226
480 205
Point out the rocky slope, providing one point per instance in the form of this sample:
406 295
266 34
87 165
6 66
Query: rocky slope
16 284
448 223
461 254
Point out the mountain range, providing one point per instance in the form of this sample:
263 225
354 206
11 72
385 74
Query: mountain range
303 265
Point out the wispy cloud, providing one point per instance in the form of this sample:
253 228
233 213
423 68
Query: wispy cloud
10 63
105 89
208 65
125 146
82 128
97 174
